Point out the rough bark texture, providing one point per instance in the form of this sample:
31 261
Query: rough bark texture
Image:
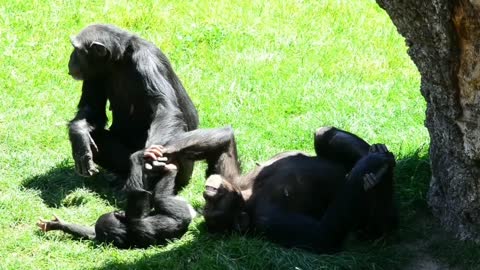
443 37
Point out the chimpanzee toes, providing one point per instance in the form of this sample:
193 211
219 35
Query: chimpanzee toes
378 148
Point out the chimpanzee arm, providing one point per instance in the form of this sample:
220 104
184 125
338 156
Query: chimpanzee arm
90 115
168 206
168 119
216 146
166 125
78 231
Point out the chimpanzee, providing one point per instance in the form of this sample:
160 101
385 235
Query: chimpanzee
294 199
153 213
297 200
148 102
150 218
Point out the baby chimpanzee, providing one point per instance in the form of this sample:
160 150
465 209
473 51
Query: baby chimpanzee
150 218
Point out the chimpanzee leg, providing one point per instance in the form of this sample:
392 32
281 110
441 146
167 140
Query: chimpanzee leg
339 145
168 205
328 233
112 154
216 146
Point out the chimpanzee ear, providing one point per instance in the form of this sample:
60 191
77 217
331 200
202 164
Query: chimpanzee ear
99 48
75 42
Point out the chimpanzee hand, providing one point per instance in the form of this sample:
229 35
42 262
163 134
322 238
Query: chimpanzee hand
55 224
156 162
83 158
382 149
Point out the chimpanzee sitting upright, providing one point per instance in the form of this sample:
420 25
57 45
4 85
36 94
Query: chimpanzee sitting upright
297 200
148 102
150 218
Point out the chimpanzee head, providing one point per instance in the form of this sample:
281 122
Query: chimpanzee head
95 49
224 206
111 228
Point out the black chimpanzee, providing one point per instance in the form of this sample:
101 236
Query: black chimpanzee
294 199
148 102
297 200
150 218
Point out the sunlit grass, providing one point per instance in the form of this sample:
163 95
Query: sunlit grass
274 71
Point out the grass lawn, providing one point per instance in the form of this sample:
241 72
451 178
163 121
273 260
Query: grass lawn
274 71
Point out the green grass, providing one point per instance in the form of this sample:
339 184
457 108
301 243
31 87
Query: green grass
275 71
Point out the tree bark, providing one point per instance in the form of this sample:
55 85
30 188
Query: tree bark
443 37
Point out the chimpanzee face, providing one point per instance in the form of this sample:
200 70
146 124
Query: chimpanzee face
87 60
111 228
224 204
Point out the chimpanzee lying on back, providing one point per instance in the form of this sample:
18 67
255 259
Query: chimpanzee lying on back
296 200
150 218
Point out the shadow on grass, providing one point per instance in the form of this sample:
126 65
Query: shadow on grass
59 181
201 250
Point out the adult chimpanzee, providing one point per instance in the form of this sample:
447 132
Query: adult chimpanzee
297 200
148 102
149 218
294 199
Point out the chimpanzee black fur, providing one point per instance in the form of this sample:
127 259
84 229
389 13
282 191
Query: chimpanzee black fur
148 102
150 218
294 199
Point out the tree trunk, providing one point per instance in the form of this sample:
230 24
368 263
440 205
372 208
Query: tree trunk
443 37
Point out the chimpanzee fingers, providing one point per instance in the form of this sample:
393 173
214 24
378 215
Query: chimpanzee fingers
149 155
82 168
153 152
157 147
156 151
42 224
384 148
148 166
56 218
154 165
369 181
91 168
158 164
171 167
85 167
373 148
92 143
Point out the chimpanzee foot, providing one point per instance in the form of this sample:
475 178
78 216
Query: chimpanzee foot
378 148
46 225
370 180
